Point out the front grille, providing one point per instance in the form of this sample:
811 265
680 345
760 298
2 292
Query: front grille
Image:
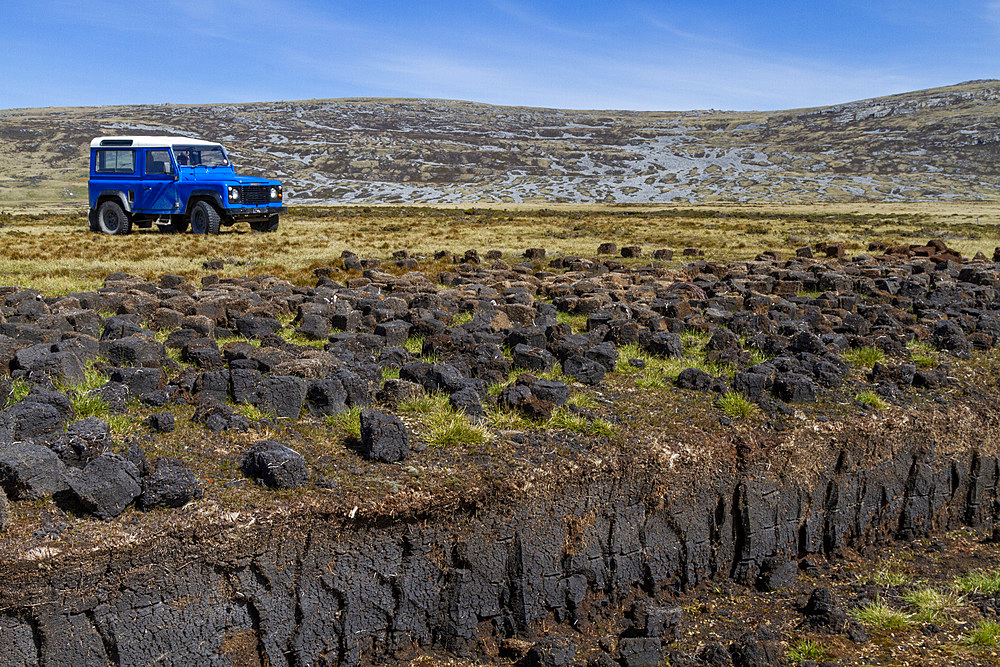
255 194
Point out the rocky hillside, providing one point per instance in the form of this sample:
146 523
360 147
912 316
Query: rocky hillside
934 144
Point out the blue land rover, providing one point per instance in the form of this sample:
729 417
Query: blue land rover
176 184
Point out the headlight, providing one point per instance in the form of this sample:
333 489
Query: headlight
275 192
234 193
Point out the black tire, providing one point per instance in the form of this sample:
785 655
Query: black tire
92 221
204 218
112 219
269 225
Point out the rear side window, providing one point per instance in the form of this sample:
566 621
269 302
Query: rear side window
115 162
158 162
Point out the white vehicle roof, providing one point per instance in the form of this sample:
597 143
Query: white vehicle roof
144 141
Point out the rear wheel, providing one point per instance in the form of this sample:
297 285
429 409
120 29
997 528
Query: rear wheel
112 219
204 219
269 225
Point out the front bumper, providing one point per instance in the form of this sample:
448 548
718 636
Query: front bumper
254 212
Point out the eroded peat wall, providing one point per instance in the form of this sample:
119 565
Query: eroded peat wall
562 557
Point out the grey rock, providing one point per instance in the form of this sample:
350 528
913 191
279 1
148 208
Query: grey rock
554 391
161 422
170 483
584 370
282 395
383 437
533 359
326 397
135 350
468 401
106 486
29 471
83 441
275 465
253 327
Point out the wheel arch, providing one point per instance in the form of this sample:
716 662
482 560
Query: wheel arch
210 196
118 195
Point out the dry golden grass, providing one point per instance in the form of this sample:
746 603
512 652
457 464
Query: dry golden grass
54 252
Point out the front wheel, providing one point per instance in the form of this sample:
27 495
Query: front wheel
112 219
204 219
269 225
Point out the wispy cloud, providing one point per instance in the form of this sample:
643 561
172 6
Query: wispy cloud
992 12
534 20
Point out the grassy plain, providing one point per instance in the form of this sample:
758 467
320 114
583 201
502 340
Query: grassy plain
52 250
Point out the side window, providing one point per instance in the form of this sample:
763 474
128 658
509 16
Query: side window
115 162
158 162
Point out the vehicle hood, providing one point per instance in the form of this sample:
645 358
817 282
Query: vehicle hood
220 175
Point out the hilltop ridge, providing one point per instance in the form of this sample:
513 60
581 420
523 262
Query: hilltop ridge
935 144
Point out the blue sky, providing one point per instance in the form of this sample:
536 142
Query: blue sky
630 54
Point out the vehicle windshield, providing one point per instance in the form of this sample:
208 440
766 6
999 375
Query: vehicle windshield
200 156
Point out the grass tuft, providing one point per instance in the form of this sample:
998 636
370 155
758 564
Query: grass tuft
252 412
500 419
427 404
583 401
887 574
565 419
922 355
122 425
455 429
18 390
806 649
347 422
578 323
414 345
881 616
659 372
985 633
88 405
736 405
866 357
871 399
930 604
979 582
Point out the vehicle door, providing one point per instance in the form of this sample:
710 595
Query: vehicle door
158 193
